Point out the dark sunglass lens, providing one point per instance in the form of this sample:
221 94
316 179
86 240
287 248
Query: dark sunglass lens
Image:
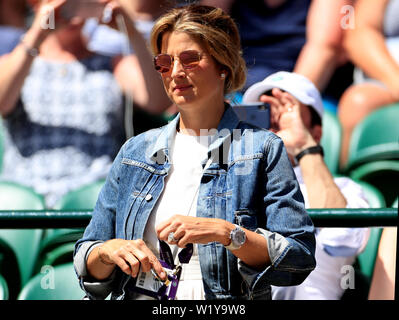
189 58
162 63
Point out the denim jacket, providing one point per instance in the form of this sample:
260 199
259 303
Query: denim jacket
250 182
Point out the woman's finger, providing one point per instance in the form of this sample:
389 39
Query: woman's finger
124 265
165 227
143 259
156 265
147 258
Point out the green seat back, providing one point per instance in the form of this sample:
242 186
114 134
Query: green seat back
3 288
375 138
53 283
366 259
331 140
59 255
384 175
57 244
14 196
395 203
19 247
83 198
373 195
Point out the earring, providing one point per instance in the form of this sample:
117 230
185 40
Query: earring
223 75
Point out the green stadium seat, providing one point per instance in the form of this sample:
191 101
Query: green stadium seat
53 283
60 254
58 244
374 151
331 140
3 288
364 264
14 196
375 138
83 198
373 195
366 259
383 174
395 203
18 247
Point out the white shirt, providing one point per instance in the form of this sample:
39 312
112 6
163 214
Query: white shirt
335 248
180 196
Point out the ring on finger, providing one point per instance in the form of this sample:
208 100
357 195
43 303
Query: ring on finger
171 237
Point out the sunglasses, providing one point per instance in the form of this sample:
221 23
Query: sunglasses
189 60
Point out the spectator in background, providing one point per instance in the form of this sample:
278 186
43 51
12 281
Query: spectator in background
272 32
373 46
304 36
12 23
296 115
111 42
62 105
108 41
323 59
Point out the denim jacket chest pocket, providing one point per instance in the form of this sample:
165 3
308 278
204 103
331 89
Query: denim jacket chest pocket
249 190
226 193
246 218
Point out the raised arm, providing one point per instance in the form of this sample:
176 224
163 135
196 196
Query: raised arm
323 50
15 66
288 121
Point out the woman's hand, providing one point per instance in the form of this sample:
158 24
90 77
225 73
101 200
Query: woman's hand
194 230
48 12
117 8
130 256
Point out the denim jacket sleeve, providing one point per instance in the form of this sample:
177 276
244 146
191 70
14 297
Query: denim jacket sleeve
289 231
100 229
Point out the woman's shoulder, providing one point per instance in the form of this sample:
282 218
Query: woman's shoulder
140 143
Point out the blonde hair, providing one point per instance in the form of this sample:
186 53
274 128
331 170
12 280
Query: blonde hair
215 30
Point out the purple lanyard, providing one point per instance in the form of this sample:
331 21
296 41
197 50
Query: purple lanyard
165 254
167 261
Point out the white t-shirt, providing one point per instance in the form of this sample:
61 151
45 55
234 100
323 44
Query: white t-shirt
180 196
335 248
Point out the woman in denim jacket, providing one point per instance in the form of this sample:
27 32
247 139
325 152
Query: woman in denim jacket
205 180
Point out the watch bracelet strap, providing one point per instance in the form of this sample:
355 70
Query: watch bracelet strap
318 149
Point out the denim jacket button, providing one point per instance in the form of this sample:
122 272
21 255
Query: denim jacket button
148 197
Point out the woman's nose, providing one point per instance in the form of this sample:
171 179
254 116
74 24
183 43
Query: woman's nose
177 69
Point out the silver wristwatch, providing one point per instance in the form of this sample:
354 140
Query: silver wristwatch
237 237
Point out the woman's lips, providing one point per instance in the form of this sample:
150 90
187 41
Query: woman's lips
181 88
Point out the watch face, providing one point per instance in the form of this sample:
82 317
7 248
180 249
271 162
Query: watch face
239 236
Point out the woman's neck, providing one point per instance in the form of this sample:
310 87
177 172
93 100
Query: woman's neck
198 121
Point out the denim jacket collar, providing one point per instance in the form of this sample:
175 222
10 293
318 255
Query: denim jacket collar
227 124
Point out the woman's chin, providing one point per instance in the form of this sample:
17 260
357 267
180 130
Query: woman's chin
183 100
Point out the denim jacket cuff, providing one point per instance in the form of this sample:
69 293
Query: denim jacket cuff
94 289
285 268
